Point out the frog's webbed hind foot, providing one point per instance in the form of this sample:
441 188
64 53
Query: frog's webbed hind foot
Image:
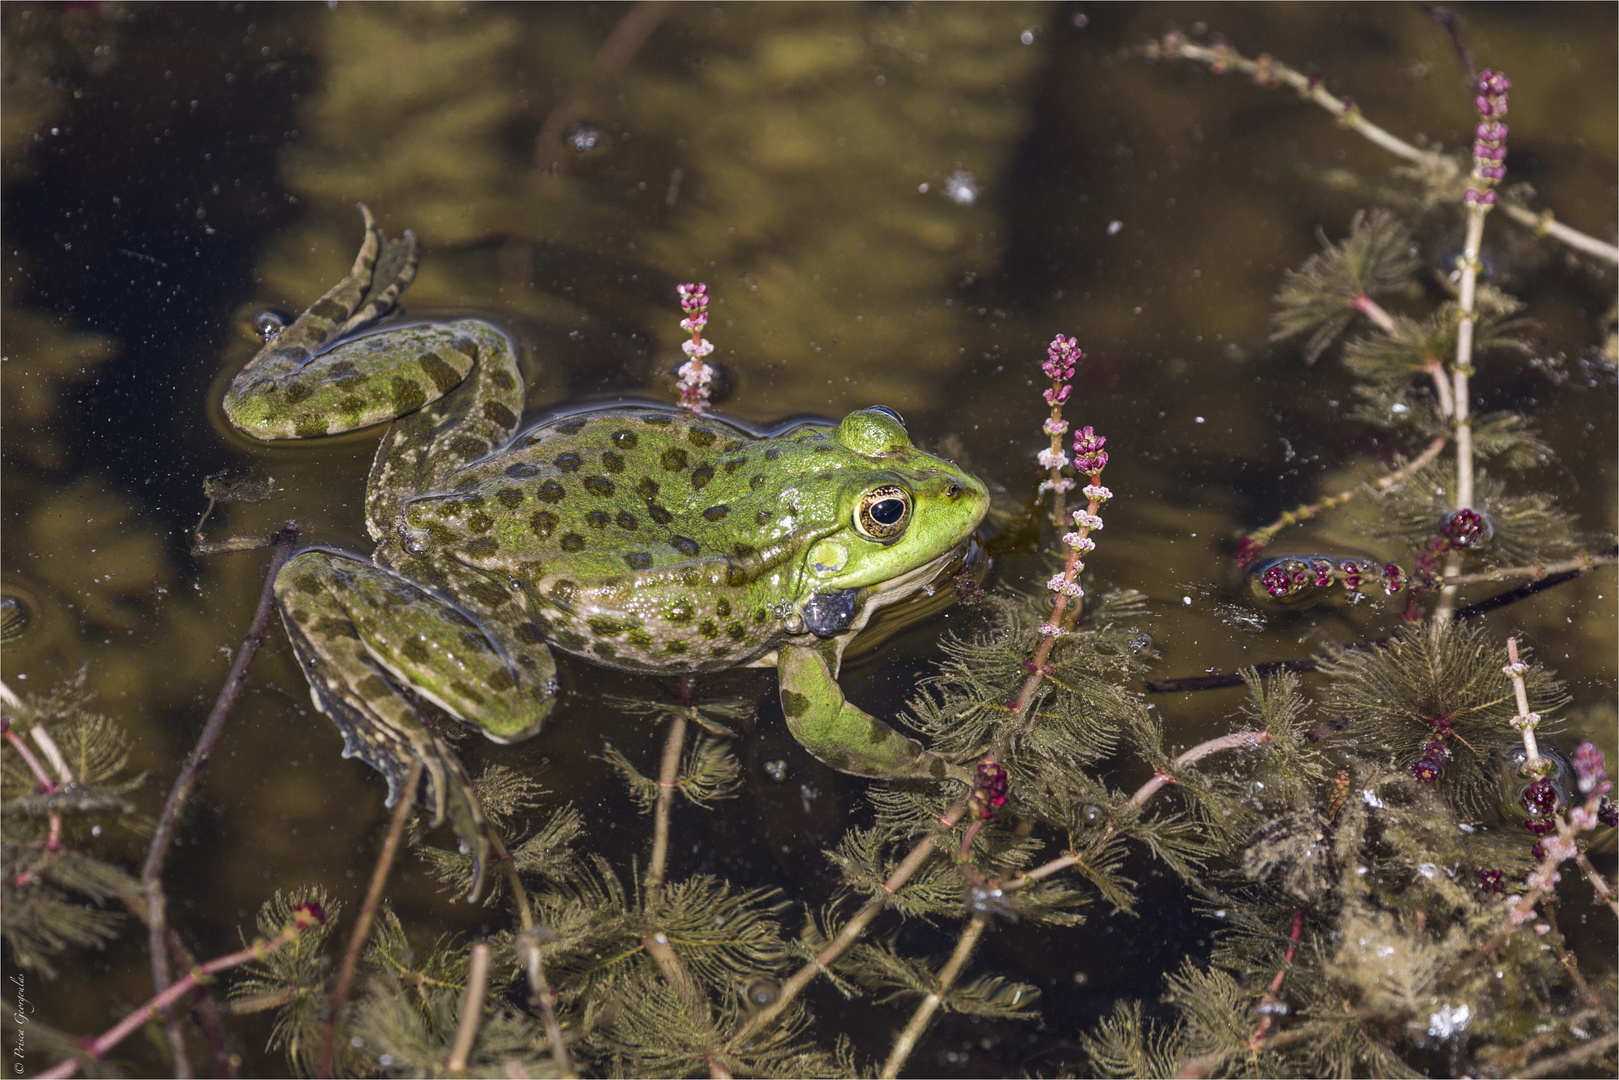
291 389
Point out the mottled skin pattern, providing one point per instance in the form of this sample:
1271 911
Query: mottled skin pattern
639 538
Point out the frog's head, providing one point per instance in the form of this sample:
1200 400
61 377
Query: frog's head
898 509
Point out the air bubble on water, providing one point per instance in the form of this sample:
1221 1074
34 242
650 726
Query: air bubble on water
585 138
776 770
961 188
269 324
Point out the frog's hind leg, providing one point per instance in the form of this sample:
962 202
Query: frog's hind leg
423 450
375 646
292 389
842 735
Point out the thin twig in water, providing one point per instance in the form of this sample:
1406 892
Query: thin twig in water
368 913
668 781
1235 740
304 916
1269 72
471 1009
1259 538
929 1005
163 838
853 928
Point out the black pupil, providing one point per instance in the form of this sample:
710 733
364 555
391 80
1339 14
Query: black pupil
887 511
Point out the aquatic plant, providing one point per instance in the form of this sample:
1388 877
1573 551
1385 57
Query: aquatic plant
1381 852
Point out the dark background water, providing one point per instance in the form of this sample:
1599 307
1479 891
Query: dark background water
171 170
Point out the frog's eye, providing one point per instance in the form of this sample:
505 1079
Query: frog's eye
883 512
885 410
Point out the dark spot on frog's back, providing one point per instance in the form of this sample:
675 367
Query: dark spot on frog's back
625 440
486 593
658 514
674 459
572 542
543 523
647 488
530 633
598 519
522 471
794 704
732 446
407 396
638 560
685 545
701 436
572 427
613 463
445 377
481 548
626 521
716 513
700 476
510 498
551 492
735 463
298 391
568 462
599 486
772 453
498 414
415 649
657 420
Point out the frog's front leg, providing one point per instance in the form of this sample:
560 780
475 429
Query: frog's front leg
375 646
842 735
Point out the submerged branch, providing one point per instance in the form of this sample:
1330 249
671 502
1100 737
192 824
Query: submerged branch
368 912
929 1005
304 916
163 837
1269 72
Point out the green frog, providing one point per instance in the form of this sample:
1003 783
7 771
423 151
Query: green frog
643 538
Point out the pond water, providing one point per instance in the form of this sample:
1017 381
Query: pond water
890 204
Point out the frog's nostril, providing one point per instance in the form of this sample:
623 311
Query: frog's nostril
952 491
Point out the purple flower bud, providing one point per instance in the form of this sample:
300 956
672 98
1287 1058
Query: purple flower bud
1393 579
1490 172
1608 814
1277 581
1493 82
1591 769
1058 394
1538 850
1466 528
1428 770
1491 131
1351 571
1492 881
1065 353
1539 798
1478 198
1248 549
1323 572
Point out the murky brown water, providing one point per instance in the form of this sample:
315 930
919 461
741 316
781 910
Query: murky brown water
891 204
